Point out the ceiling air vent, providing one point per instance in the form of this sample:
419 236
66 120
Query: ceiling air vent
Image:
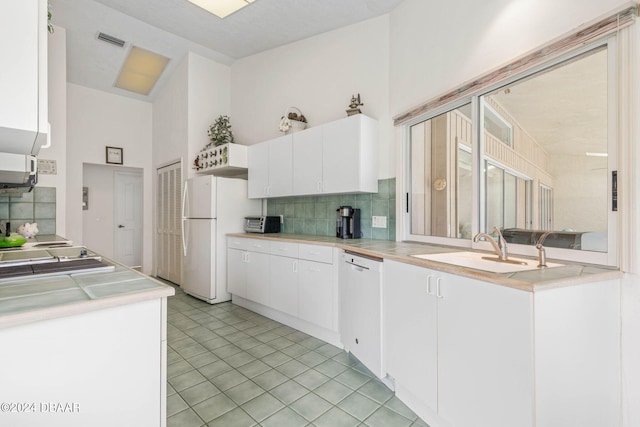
110 39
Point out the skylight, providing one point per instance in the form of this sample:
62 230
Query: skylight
221 8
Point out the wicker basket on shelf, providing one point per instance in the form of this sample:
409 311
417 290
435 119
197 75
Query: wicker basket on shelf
292 121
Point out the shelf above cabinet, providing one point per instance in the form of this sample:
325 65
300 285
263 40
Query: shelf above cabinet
228 160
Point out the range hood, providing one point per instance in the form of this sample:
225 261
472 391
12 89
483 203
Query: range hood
18 173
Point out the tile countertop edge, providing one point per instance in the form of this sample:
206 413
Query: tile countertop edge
85 306
445 268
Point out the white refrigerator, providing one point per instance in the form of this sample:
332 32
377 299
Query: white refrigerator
211 207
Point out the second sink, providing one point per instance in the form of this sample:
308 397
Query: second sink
475 260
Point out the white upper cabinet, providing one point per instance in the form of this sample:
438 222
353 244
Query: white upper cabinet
350 155
23 78
307 162
270 168
337 157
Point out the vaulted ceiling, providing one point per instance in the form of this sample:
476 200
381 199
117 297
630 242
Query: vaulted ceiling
174 27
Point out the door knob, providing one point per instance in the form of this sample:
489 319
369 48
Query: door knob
121 226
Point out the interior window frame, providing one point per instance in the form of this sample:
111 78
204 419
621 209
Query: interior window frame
610 257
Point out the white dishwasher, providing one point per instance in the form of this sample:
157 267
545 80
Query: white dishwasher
361 307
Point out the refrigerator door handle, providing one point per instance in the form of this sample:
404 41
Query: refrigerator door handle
184 237
185 195
185 198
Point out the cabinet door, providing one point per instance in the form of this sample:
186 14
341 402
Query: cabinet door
236 273
315 293
257 277
349 155
485 354
258 163
23 83
281 167
307 161
411 329
283 284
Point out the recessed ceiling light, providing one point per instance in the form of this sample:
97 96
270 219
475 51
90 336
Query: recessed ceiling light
141 70
221 8
596 154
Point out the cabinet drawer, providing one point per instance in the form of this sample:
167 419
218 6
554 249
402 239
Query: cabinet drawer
284 249
258 245
238 243
316 253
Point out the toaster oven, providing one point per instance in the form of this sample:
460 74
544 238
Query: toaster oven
262 224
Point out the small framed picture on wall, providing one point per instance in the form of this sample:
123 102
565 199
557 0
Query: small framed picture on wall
114 155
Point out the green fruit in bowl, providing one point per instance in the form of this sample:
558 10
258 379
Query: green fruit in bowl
12 241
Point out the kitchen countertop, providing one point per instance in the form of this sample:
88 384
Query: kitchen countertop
569 274
30 299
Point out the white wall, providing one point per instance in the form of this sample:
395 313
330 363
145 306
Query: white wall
98 119
436 46
317 75
58 120
209 96
170 110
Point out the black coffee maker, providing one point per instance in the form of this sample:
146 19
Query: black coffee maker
348 223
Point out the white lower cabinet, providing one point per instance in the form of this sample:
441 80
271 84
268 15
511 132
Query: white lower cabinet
257 265
411 330
248 268
316 293
465 353
283 284
236 272
460 348
293 283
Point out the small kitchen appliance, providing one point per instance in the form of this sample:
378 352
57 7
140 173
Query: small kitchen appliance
262 224
348 223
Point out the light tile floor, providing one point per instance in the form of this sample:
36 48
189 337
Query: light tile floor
231 367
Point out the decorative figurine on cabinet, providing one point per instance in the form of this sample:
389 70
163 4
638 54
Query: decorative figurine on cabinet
353 106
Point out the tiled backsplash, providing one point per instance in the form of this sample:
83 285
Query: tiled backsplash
39 206
316 215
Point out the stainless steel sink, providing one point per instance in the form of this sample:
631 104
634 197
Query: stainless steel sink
485 262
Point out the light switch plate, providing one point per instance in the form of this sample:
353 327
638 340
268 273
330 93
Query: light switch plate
379 222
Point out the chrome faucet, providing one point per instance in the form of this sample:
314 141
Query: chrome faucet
500 247
542 254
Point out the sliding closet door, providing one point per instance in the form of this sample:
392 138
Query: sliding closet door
168 216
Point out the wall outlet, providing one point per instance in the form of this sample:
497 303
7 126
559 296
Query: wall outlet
281 219
379 222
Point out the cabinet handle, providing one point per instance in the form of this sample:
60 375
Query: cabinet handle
246 258
429 277
295 266
438 293
319 186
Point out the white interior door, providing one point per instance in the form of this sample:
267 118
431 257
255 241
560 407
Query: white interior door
168 256
128 219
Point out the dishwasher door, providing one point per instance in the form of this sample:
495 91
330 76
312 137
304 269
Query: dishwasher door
360 309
